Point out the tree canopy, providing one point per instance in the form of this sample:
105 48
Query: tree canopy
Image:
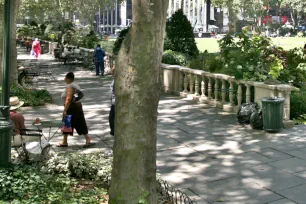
45 9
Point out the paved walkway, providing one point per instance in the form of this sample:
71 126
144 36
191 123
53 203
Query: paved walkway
200 149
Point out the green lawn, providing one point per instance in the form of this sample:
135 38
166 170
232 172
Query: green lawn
211 44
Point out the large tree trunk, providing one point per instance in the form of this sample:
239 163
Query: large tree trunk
137 95
13 55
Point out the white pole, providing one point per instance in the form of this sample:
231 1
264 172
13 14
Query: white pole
205 17
107 17
198 12
184 9
180 6
123 14
170 8
112 20
189 17
174 6
203 13
193 14
99 23
116 13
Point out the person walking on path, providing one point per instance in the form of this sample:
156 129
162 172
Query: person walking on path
99 55
73 107
111 117
36 48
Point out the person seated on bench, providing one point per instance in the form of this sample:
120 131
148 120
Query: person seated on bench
77 50
19 123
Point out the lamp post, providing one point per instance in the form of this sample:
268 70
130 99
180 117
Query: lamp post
27 18
5 124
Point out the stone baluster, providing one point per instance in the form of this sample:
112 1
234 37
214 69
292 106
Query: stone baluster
203 88
287 106
248 93
191 83
209 88
231 93
197 88
181 81
239 95
223 91
286 96
185 82
216 89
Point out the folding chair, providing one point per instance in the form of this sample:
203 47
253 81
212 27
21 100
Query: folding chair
39 150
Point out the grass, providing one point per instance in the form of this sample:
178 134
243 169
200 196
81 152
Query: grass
212 46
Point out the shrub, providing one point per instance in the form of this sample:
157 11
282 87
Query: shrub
95 166
26 184
119 41
297 104
179 35
174 58
31 97
294 68
208 62
108 46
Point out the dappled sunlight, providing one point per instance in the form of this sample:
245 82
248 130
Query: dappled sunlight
200 149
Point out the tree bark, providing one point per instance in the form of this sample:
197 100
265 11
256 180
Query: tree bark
13 54
137 84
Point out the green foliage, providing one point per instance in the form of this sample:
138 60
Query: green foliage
297 104
31 97
26 184
95 166
179 35
119 41
301 120
207 62
295 67
174 58
108 45
276 67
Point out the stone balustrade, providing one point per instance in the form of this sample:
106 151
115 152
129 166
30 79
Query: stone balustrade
221 91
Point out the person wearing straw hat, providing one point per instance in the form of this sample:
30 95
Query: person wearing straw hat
19 122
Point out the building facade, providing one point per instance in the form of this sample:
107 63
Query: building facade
200 13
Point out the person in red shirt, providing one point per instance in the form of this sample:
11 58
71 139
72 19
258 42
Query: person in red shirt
19 123
36 48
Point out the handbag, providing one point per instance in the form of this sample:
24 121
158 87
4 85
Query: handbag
66 127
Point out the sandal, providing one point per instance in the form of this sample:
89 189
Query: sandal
88 145
61 145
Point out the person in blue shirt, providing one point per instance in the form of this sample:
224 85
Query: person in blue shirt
99 60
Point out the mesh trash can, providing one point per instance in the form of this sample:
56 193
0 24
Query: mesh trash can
272 114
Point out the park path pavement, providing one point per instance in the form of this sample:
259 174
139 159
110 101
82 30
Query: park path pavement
201 150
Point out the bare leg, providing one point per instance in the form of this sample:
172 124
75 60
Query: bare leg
64 143
87 138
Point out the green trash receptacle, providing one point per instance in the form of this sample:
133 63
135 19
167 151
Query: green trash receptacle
5 143
272 113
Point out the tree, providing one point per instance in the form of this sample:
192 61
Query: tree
137 84
232 6
13 55
248 9
297 9
180 36
46 9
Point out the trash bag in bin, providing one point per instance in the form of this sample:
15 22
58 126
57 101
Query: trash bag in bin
256 120
245 112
